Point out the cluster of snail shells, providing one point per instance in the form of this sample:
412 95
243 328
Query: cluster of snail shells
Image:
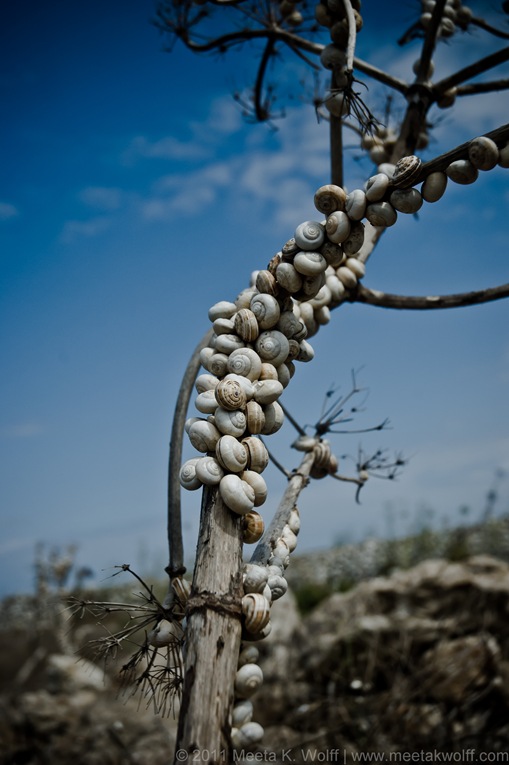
332 14
290 13
454 15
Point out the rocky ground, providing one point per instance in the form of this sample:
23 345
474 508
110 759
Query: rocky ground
417 660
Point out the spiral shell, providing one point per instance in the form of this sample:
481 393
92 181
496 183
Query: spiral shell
252 527
407 201
267 391
206 402
284 375
336 287
249 654
222 310
434 187
406 171
338 226
332 253
266 282
256 612
266 309
280 554
294 521
242 712
288 323
209 471
232 454
249 734
376 186
311 286
246 325
269 371
356 266
257 454
255 577
228 343
205 382
309 235
289 249
230 423
288 277
381 214
274 418
244 382
246 363
187 476
217 364
237 494
165 633
182 590
272 346
462 171
329 198
355 239
309 263
230 395
483 153
306 352
278 586
257 483
332 57
244 298
255 416
204 435
355 205
223 326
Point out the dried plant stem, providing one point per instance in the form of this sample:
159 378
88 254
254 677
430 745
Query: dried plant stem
478 67
418 303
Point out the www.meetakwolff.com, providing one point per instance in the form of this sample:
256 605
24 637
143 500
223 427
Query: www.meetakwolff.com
343 756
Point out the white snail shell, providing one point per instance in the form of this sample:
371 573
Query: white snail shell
257 454
309 235
242 712
284 374
323 315
230 394
255 577
222 310
355 205
252 527
503 156
272 346
187 475
407 201
336 287
356 266
288 323
217 364
244 298
381 214
232 454
164 634
246 325
237 494
304 443
249 654
306 352
245 362
256 611
206 402
204 436
267 391
278 586
309 263
269 371
294 521
434 187
288 277
289 537
223 326
462 171
231 423
338 226
247 735
322 297
209 471
205 382
266 309
257 483
228 343
280 554
355 239
406 171
329 198
190 421
376 186
483 153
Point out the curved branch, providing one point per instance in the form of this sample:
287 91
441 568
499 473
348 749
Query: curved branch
174 519
483 65
381 76
482 87
261 112
407 302
235 38
482 24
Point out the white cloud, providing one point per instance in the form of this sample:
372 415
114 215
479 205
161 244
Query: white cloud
8 211
76 229
163 148
104 198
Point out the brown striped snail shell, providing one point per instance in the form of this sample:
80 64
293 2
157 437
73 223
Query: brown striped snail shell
381 214
406 171
288 277
222 310
309 235
338 227
237 494
244 382
266 309
483 153
228 343
256 611
231 454
376 186
267 391
206 402
272 346
255 417
204 435
266 282
462 171
257 483
257 454
187 475
242 712
252 527
182 590
434 187
246 325
407 201
309 263
246 363
355 206
329 198
230 394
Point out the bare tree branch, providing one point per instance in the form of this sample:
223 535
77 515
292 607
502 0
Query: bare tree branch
381 76
478 67
408 302
482 87
482 24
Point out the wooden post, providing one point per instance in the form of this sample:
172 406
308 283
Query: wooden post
213 636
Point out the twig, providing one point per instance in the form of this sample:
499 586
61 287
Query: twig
483 65
408 302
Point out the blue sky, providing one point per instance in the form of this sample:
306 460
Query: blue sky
133 196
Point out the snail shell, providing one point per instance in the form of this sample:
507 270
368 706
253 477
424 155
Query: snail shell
483 153
333 254
406 171
288 278
406 200
347 277
236 494
309 263
190 421
329 198
230 423
256 611
322 297
165 633
434 187
266 282
462 171
244 382
356 266
309 235
266 309
255 416
355 240
232 455
244 298
323 315
306 352
288 324
269 371
376 186
228 343
332 57
294 521
242 712
187 476
209 471
381 214
356 204
217 364
230 394
336 287
278 586
304 443
205 355
267 391
206 402
272 346
503 156
204 436
284 375
294 349
222 310
257 454
289 249
338 227
205 382
252 527
246 363
247 735
311 286
246 325
274 418
223 326
255 577
182 590
301 334
257 483
249 654
280 554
